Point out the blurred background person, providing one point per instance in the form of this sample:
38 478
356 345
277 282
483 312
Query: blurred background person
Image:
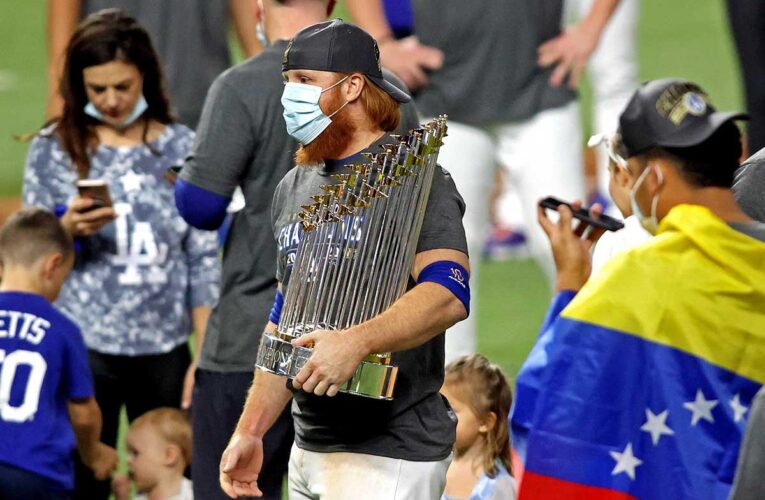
612 73
143 278
747 25
191 37
159 450
505 108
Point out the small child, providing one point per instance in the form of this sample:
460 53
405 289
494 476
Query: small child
159 450
481 397
46 389
620 184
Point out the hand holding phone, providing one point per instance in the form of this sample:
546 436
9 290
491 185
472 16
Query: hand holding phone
92 209
96 190
571 245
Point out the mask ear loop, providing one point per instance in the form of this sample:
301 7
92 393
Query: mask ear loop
333 86
655 201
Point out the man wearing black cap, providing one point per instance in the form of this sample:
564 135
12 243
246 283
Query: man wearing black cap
337 105
634 365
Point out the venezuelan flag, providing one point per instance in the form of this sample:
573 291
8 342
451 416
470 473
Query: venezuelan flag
639 385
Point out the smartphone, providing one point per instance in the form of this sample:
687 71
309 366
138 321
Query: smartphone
583 214
97 190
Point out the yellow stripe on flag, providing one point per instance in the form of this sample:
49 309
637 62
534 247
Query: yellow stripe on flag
698 286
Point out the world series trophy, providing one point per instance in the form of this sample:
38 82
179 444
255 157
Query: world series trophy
356 254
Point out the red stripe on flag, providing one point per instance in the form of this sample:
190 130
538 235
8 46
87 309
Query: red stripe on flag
539 487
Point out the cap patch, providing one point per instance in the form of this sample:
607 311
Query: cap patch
285 57
681 100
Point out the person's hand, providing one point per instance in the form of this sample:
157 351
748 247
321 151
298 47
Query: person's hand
410 60
335 357
103 461
569 52
571 246
188 386
121 487
240 466
78 220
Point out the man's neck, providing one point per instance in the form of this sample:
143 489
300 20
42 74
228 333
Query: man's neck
20 281
284 22
361 140
719 201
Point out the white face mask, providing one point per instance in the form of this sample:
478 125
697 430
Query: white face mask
650 224
302 113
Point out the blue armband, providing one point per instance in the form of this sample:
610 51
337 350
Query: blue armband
199 207
450 275
276 309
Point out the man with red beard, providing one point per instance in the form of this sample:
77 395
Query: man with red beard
337 104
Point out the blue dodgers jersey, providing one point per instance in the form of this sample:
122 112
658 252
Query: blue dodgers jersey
43 364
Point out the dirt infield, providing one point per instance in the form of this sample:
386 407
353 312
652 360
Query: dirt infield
8 205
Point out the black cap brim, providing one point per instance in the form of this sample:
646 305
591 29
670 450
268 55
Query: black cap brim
685 138
393 91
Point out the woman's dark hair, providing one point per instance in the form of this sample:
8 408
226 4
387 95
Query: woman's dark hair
106 36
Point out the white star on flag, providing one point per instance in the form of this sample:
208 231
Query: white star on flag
656 425
625 462
701 408
739 410
131 181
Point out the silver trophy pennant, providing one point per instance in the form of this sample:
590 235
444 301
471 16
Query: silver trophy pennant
356 255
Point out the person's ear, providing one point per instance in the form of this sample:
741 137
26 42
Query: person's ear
51 263
353 86
172 454
488 423
623 179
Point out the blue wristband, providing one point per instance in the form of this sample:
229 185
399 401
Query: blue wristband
276 309
450 275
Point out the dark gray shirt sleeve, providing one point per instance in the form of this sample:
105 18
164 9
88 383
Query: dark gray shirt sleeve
442 227
748 484
224 142
749 186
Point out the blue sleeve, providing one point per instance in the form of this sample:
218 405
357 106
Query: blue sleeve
77 380
199 207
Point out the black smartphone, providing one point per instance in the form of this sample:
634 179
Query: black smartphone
583 214
97 190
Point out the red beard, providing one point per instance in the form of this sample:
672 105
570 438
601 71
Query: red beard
331 143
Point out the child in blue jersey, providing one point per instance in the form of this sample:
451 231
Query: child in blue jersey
46 391
480 396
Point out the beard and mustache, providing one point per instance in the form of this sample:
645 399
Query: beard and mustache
333 141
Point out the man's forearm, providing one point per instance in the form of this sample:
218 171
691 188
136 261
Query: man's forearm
370 15
600 12
422 313
199 318
267 397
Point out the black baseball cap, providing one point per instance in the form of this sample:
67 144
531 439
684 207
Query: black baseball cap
339 47
670 113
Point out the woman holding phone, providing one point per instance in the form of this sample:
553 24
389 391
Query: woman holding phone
143 279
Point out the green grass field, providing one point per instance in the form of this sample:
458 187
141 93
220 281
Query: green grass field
682 38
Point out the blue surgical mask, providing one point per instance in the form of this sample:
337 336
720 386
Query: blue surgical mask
140 107
651 223
302 113
260 31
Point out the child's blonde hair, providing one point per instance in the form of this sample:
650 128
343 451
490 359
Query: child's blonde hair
172 424
484 388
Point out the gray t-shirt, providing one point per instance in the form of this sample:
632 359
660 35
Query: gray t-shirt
242 141
490 73
191 37
749 186
418 423
748 483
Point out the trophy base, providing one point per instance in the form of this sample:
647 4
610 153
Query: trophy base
372 379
